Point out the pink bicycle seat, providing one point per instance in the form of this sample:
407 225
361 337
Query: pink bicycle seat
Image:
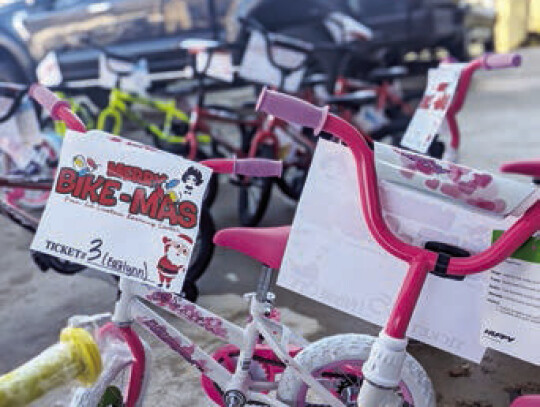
266 245
530 168
526 401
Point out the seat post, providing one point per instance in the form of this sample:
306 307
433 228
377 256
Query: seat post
265 279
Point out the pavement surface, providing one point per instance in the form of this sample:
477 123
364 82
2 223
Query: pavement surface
500 122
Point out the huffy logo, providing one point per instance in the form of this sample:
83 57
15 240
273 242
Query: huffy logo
498 335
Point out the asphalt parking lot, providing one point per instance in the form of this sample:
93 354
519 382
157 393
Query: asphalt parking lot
500 122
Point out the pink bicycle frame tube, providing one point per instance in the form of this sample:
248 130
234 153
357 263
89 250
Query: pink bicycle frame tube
488 62
138 366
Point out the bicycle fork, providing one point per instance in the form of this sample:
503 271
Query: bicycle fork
235 395
382 373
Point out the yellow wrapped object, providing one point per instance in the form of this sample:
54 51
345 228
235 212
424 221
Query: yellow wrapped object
76 356
512 24
534 16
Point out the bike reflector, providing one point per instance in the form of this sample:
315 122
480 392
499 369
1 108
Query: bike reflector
124 208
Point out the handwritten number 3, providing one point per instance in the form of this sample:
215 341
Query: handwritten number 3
95 250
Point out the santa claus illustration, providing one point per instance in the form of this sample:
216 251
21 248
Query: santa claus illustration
174 260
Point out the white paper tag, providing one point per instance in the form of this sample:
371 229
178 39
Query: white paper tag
332 258
257 67
219 67
123 208
440 90
136 79
511 322
48 70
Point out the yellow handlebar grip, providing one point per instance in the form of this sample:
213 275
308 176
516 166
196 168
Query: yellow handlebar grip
75 356
85 351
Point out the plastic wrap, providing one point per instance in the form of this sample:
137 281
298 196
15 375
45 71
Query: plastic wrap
76 356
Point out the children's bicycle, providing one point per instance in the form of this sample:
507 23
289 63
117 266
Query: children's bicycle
259 365
447 143
260 136
25 150
202 252
388 364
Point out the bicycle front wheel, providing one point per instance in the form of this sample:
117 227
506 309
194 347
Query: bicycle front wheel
336 362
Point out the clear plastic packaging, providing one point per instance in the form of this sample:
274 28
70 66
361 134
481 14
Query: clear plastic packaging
81 366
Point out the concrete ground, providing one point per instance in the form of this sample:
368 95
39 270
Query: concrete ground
500 122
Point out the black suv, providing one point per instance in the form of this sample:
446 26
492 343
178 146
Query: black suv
144 28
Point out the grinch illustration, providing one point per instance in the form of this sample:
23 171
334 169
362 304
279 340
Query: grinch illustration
174 259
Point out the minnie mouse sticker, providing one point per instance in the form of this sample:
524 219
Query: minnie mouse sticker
124 208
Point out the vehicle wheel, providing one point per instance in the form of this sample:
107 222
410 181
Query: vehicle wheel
213 184
65 267
459 48
254 195
337 363
190 291
10 71
203 249
292 181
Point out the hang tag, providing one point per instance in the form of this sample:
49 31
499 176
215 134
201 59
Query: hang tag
48 70
430 113
124 208
332 258
511 317
220 65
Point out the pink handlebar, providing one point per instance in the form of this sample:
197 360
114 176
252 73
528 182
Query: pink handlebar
488 62
503 248
501 61
57 108
251 167
292 110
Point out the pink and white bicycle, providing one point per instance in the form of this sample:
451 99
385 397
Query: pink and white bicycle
389 367
448 142
25 150
249 368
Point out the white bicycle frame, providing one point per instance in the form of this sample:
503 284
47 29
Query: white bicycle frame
130 309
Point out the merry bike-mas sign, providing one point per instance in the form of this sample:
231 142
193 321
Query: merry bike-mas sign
124 208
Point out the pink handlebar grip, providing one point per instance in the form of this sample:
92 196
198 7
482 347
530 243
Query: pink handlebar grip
50 102
57 108
500 61
251 167
292 109
258 167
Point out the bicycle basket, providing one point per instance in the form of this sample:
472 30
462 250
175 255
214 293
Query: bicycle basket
275 60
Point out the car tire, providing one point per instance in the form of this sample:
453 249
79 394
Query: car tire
10 71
